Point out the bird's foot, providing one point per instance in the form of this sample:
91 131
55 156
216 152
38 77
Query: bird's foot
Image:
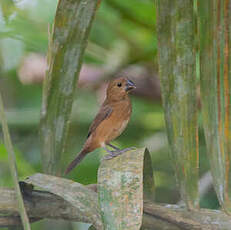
113 146
110 156
126 149
116 153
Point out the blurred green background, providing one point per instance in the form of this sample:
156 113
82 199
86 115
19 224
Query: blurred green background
122 41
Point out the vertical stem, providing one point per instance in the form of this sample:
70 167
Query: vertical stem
13 168
66 48
227 88
177 69
209 11
215 91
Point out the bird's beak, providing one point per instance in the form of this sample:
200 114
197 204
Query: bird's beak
130 85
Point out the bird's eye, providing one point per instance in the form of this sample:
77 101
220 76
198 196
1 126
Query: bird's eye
119 84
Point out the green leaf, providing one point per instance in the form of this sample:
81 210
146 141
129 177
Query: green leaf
123 183
13 167
65 53
177 69
215 65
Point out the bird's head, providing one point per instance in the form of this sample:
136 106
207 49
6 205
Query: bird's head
119 88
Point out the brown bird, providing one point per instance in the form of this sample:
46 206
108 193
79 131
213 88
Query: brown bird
110 121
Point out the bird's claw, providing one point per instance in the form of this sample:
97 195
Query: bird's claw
126 149
115 153
111 155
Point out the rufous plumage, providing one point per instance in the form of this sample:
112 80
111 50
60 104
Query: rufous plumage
110 121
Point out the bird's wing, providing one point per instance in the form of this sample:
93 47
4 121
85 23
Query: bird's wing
104 112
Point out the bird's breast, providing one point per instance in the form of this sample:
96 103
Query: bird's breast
115 124
121 127
118 123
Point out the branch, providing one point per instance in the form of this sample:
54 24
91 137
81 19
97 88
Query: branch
41 204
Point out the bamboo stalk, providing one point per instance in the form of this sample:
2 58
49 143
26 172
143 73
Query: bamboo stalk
13 168
177 70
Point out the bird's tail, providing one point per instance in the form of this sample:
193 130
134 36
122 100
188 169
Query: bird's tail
76 161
